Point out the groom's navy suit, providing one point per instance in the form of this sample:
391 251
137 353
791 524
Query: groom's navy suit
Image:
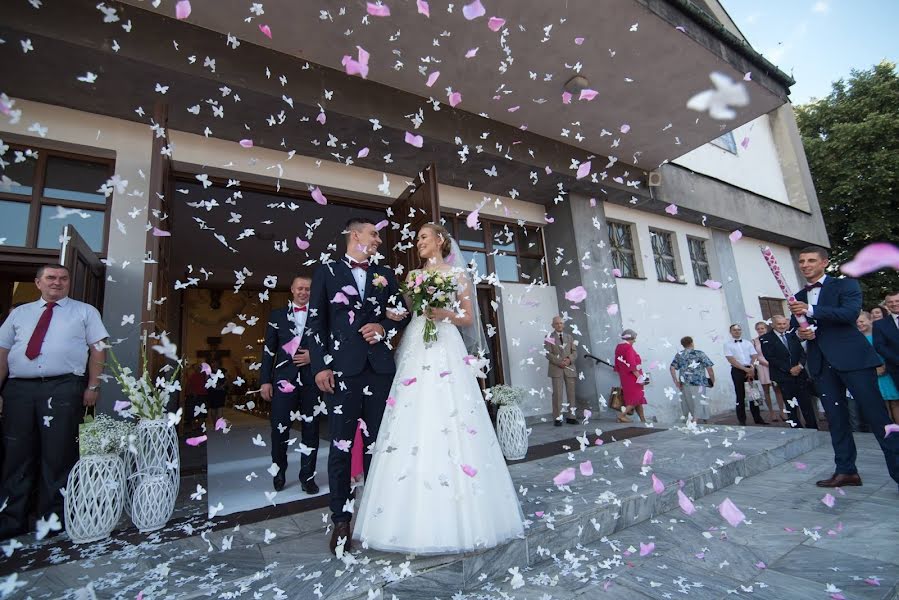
840 358
277 365
363 372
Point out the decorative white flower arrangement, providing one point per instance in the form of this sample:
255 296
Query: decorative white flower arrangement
105 435
504 395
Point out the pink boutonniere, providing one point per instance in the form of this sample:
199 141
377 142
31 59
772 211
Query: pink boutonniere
379 281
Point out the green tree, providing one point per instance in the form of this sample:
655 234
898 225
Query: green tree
851 139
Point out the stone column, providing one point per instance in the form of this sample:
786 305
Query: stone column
725 268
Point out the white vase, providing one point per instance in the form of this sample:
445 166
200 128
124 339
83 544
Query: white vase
157 447
95 494
153 500
512 432
129 460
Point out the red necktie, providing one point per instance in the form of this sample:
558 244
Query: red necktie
299 309
359 265
40 331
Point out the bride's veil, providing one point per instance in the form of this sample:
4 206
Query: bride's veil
473 335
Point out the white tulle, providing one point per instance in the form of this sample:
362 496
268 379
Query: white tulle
418 498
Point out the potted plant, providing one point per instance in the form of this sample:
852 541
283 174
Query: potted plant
511 429
95 491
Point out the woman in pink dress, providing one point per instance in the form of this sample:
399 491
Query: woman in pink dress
628 366
764 376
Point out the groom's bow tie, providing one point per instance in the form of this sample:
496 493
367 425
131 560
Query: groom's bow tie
812 286
359 265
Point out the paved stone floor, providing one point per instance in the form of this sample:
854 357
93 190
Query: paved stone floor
603 535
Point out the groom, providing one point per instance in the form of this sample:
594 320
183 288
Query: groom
350 356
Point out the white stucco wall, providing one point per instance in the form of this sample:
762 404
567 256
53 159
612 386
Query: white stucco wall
755 168
755 277
526 313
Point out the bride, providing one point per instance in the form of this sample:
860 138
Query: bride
438 481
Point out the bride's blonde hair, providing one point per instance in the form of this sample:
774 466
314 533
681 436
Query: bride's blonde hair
446 242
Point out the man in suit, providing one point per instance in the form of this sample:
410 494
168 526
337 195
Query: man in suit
561 354
786 364
289 384
352 355
840 358
886 343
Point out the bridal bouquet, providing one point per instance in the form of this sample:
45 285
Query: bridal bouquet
429 289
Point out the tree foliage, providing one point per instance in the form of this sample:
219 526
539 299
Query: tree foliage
851 139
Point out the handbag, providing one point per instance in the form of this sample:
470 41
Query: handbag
754 392
616 400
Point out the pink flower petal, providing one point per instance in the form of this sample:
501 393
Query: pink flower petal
803 466
319 197
321 118
624 128
685 503
454 99
409 381
828 500
362 153
745 142
747 76
872 257
356 67
195 441
471 53
182 9
432 78
285 386
302 244
351 315
549 219
350 290
221 424
496 23
343 445
576 295
586 468
711 283
469 470
890 428
474 10
246 143
588 413
583 170
588 95
612 309
539 514
120 405
657 486
671 209
414 140
266 31
578 40
760 565
731 513
423 8
445 373
735 235
391 401
566 97
291 347
472 220
598 441
616 272
647 458
378 10
340 298
565 477
205 368
161 233
647 548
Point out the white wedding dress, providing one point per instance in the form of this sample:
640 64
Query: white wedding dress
438 482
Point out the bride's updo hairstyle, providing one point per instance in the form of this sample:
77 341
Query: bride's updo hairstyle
446 247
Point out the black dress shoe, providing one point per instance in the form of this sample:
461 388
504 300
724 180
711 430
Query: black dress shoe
571 421
557 423
278 481
309 486
343 533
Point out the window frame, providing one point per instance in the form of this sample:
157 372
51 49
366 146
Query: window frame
674 256
36 200
634 249
694 260
489 227
765 303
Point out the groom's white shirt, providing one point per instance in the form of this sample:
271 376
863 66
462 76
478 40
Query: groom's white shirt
358 274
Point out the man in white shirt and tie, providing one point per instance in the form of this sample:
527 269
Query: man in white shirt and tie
289 384
742 358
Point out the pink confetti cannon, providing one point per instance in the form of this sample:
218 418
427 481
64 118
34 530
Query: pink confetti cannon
779 277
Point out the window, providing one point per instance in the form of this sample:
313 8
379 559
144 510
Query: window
726 142
43 190
664 254
622 244
699 260
771 307
514 252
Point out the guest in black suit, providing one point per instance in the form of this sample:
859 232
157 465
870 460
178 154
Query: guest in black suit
886 342
289 384
351 346
786 364
840 358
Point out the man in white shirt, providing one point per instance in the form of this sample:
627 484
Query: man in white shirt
742 358
50 353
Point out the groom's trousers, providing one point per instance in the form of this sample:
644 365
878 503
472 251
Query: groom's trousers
355 403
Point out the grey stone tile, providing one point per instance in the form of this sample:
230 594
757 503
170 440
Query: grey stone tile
661 576
866 532
773 585
490 563
845 571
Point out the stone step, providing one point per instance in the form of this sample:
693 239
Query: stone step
704 459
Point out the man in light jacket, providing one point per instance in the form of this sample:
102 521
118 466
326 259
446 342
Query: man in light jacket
561 354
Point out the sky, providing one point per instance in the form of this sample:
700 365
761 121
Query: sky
819 41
